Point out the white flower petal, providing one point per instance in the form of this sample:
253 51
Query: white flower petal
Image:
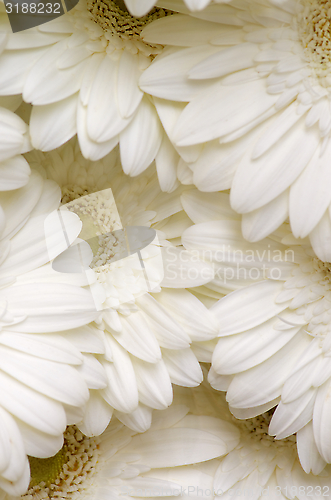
31 407
259 181
129 94
320 238
139 420
237 353
181 447
122 392
37 443
259 223
154 384
168 332
53 124
97 415
322 429
183 367
263 383
291 417
140 140
49 307
309 197
138 339
180 31
221 111
310 459
256 305
103 126
26 369
190 313
139 7
167 77
204 207
45 84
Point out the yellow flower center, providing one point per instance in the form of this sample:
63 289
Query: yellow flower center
68 473
314 29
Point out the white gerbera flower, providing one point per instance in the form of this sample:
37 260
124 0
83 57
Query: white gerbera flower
259 466
257 78
275 329
81 74
151 339
195 449
181 444
14 140
42 371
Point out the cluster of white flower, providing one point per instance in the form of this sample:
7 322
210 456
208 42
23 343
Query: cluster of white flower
165 237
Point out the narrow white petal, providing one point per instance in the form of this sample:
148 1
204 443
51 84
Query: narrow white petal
261 222
92 372
310 459
122 392
14 66
221 111
137 338
14 173
54 124
166 161
197 321
49 307
322 430
26 369
291 417
19 204
263 383
96 416
129 94
259 181
256 304
228 60
45 414
320 238
141 139
139 8
154 384
51 347
37 443
91 150
181 447
167 78
204 207
139 420
47 83
237 353
166 329
181 31
103 118
183 367
309 196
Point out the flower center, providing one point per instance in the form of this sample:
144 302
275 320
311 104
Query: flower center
100 219
314 29
121 29
69 472
256 429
